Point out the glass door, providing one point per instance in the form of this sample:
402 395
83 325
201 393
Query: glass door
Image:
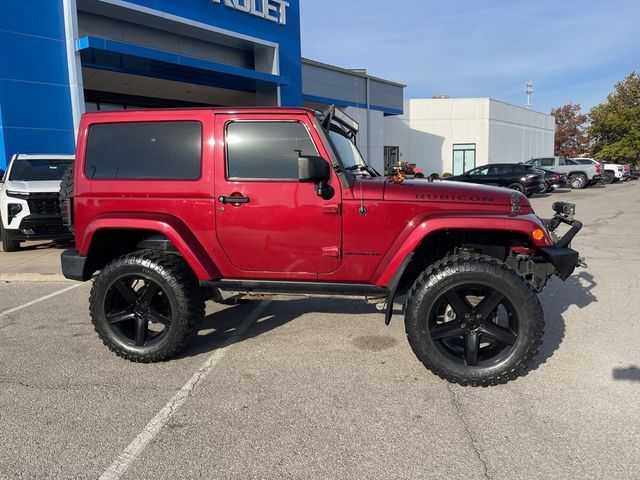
464 157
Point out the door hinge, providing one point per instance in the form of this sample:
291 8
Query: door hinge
331 252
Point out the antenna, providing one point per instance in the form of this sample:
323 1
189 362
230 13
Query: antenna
528 89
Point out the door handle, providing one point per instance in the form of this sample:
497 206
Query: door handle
223 199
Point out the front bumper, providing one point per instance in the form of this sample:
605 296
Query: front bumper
40 227
562 257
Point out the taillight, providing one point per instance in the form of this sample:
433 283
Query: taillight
557 176
598 168
67 212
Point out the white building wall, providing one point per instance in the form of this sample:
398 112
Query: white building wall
502 133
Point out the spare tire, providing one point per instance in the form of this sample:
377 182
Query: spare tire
66 193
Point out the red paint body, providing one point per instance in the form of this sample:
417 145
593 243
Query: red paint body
286 232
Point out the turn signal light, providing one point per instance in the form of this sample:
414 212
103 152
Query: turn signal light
538 234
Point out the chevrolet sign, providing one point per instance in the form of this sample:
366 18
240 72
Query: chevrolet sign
273 10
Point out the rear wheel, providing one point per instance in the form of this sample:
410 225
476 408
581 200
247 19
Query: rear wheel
8 244
578 181
608 178
146 306
473 321
518 187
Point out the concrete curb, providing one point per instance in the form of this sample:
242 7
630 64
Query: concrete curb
33 277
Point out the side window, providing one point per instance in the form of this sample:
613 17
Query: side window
479 172
548 162
144 150
266 150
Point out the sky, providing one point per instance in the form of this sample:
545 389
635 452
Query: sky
573 51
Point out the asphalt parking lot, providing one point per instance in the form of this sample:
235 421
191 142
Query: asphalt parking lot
317 388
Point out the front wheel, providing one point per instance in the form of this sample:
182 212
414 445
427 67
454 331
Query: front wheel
472 320
146 306
8 243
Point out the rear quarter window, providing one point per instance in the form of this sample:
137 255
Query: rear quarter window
144 150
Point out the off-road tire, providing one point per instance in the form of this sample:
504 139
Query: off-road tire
458 271
66 192
518 187
608 178
180 291
578 181
8 244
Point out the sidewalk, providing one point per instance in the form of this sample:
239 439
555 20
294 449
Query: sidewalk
35 261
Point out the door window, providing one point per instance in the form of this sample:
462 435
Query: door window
549 162
266 150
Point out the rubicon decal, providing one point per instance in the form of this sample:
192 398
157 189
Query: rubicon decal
273 10
447 198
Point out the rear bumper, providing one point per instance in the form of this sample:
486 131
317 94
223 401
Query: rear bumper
74 266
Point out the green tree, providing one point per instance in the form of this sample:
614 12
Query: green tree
615 124
571 139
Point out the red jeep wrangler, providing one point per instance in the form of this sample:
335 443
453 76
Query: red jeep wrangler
173 207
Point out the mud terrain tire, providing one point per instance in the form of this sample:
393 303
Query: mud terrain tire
472 320
146 306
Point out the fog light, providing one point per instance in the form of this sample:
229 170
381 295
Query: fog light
14 209
538 234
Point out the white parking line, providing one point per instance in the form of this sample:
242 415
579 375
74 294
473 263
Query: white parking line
135 448
41 299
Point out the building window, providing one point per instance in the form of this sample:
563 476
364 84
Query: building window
391 157
266 150
464 157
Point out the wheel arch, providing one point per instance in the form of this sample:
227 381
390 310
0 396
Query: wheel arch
434 239
108 238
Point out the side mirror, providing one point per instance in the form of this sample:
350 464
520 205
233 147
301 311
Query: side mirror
316 169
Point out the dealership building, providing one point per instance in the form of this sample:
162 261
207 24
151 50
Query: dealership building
61 58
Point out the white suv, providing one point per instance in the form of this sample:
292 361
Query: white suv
29 204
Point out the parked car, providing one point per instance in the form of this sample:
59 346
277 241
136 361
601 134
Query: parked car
580 176
523 178
553 180
29 204
611 172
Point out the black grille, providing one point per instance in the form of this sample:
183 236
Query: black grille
44 204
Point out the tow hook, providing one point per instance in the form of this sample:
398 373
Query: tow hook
581 263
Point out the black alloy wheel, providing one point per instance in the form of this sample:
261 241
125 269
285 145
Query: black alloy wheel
146 305
473 324
518 187
137 310
472 320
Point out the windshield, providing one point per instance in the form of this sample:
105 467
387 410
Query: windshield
41 169
348 152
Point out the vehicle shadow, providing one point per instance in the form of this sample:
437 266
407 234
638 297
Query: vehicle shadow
558 296
629 374
57 244
221 328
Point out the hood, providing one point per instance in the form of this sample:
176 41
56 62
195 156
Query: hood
451 192
33 187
